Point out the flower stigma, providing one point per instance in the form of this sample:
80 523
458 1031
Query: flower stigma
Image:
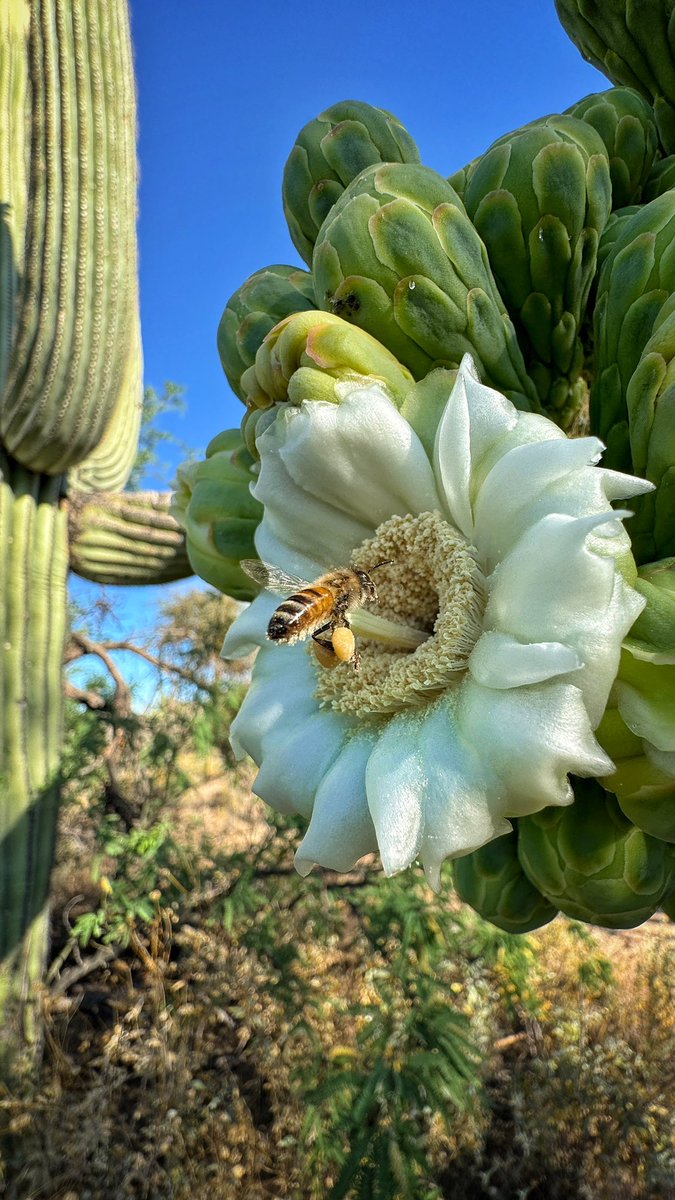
428 619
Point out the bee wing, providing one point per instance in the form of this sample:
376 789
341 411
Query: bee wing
272 578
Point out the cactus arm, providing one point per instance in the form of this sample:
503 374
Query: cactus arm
110 464
74 315
14 25
126 538
32 634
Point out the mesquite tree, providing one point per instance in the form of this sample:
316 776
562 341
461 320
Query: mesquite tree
70 409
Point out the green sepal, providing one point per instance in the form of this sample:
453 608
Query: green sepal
645 696
647 797
494 883
612 230
425 404
661 178
643 780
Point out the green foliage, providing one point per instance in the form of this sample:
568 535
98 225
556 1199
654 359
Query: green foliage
370 1113
148 865
156 406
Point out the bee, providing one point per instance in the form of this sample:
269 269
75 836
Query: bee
320 610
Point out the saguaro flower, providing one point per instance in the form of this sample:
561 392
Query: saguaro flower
486 664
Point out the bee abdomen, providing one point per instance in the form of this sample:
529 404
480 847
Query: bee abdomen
299 614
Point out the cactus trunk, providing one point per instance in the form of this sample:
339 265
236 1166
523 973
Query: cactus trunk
33 573
70 402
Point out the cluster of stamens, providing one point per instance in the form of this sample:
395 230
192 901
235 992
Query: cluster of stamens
433 593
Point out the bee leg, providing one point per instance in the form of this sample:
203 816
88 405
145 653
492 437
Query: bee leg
325 642
323 649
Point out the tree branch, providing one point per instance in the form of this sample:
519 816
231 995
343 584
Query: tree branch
87 646
93 700
163 665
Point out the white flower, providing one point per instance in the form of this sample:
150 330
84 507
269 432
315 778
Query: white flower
506 562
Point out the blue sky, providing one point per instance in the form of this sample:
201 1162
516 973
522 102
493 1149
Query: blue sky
224 88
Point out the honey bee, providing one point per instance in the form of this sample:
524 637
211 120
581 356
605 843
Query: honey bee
319 610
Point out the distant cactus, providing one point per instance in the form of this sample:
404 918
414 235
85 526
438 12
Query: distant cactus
70 410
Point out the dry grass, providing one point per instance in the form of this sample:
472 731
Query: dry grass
179 1070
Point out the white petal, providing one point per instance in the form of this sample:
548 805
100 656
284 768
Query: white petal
341 829
330 473
281 691
531 737
250 628
361 456
554 587
599 645
429 794
474 418
299 532
537 478
550 582
296 754
514 494
394 789
499 661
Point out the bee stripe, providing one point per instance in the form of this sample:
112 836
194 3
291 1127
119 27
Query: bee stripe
292 606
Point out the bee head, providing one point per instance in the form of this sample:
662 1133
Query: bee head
369 589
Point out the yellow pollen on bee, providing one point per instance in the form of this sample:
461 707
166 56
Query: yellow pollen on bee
433 588
325 657
344 643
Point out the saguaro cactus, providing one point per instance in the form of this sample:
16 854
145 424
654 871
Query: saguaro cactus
70 408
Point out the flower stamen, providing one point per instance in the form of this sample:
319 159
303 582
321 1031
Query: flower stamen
431 601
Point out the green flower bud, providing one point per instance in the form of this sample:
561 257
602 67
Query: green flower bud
459 180
593 863
631 399
638 729
650 400
540 198
632 44
331 151
306 354
625 122
255 308
652 637
493 882
645 792
215 507
398 257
